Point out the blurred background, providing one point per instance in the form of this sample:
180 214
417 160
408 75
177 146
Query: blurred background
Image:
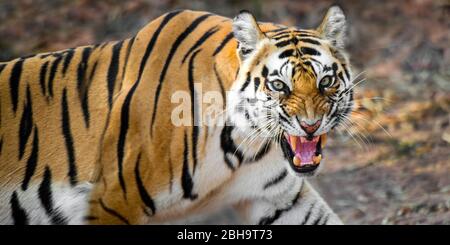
391 165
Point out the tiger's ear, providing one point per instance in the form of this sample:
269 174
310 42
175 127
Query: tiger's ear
247 33
333 27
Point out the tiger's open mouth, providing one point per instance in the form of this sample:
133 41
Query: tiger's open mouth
304 154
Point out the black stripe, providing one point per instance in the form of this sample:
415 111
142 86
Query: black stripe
307 63
26 124
67 60
53 70
334 66
186 179
82 85
46 198
42 77
281 33
256 82
72 172
275 72
262 152
308 214
173 49
1 145
284 43
85 95
200 41
347 110
94 68
14 81
145 197
341 77
127 55
145 211
247 115
125 107
124 121
336 110
19 215
277 30
265 71
287 53
284 119
229 147
283 110
276 180
219 80
151 44
315 60
309 51
194 112
270 219
284 65
246 82
170 173
90 218
318 218
309 40
223 43
113 70
347 74
305 35
113 212
325 219
32 161
279 37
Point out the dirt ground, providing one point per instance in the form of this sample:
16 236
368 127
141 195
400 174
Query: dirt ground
391 164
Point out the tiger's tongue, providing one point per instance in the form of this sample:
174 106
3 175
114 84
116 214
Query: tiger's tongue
304 150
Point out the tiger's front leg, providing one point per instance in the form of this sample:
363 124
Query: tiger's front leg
108 204
300 205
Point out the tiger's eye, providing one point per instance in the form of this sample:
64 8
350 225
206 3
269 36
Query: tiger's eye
278 85
326 82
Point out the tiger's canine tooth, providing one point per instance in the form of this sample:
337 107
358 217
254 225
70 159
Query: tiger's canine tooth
317 159
323 140
293 140
297 161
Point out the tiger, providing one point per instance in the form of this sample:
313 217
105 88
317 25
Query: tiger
89 135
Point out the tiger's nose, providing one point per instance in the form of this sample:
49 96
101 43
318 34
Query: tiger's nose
310 127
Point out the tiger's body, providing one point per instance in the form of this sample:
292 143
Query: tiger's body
87 134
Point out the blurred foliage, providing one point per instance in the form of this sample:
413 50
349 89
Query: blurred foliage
391 163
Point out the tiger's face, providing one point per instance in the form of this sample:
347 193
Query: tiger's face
293 86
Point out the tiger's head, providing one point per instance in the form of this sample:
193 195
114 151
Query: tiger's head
293 86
